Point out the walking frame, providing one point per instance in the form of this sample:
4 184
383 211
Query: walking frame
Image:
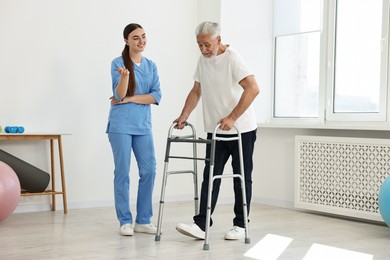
194 140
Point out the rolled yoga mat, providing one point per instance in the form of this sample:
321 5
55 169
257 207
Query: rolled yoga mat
31 178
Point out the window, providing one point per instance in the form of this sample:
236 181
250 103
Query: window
297 57
357 81
330 60
297 75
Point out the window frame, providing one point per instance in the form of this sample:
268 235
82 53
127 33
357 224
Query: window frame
330 115
326 116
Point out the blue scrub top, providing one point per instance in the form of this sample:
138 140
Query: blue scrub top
132 118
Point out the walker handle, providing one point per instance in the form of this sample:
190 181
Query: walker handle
185 125
224 138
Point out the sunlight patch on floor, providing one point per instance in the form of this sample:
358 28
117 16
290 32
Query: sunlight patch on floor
322 252
269 248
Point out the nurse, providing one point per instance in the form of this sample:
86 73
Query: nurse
135 86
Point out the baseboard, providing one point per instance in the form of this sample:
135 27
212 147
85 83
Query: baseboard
59 206
274 203
23 208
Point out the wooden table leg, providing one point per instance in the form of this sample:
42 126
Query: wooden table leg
62 174
53 178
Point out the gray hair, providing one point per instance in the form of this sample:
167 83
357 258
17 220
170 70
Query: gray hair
208 28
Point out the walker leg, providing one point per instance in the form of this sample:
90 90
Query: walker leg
210 189
162 197
195 178
196 196
161 206
244 208
243 190
208 212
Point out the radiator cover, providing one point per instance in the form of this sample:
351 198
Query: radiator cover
340 175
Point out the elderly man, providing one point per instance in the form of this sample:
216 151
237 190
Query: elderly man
227 87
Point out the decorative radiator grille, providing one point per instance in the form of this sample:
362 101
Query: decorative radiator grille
341 175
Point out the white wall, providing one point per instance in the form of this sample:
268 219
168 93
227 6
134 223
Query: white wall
247 27
55 77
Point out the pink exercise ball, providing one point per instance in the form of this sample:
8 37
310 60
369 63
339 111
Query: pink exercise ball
9 190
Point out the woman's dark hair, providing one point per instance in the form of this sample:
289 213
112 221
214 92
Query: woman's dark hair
126 58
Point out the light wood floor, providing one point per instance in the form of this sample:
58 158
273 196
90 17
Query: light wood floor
93 234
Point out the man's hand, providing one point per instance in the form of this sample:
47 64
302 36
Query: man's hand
181 122
227 123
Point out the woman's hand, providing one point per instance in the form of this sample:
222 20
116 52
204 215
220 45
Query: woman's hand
115 101
123 72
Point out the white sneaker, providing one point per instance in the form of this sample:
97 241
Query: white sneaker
126 230
235 233
145 228
192 230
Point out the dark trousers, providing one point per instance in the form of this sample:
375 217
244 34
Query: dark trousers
223 150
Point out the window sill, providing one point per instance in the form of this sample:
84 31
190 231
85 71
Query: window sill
330 126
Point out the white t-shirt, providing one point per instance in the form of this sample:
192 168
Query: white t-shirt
218 77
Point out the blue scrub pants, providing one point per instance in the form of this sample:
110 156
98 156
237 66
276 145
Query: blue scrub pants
223 150
143 149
